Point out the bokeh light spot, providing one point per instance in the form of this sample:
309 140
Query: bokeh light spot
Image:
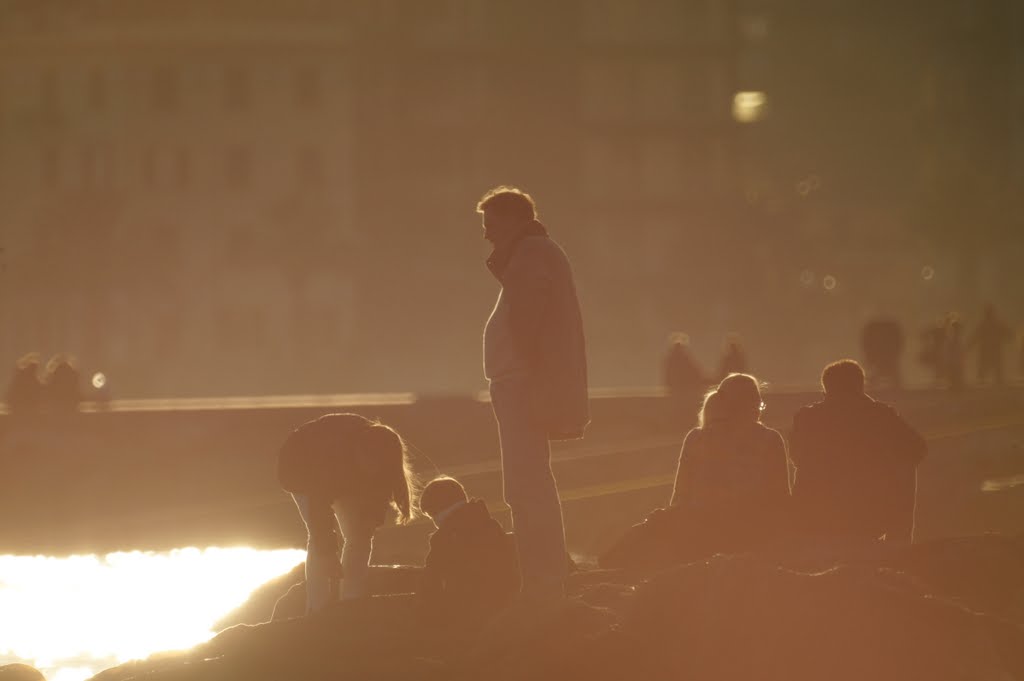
749 107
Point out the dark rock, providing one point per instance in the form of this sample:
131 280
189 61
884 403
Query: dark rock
736 619
20 672
873 613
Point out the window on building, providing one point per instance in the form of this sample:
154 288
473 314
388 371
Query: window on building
48 87
237 90
309 162
148 168
308 87
607 91
90 170
659 92
182 168
661 173
166 90
49 175
238 167
96 91
96 167
609 168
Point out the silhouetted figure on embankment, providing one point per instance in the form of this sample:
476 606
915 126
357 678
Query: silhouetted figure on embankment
344 472
932 353
681 373
471 570
954 355
990 339
731 491
733 359
882 344
536 365
25 391
856 464
1020 354
62 387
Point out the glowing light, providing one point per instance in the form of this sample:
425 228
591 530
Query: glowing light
829 282
99 380
806 278
72 617
749 106
927 272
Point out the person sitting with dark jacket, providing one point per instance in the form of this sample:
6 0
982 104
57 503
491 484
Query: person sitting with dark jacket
472 569
856 463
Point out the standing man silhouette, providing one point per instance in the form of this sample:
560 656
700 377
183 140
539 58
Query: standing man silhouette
535 362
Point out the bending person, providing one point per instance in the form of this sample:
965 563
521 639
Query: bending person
344 472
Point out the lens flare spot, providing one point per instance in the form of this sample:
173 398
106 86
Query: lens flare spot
72 617
749 106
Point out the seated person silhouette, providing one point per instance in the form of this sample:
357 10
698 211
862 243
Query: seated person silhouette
25 391
856 464
731 491
472 569
344 472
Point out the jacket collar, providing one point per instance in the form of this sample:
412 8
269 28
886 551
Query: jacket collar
498 261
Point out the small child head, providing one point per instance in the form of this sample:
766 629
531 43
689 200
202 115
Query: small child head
440 494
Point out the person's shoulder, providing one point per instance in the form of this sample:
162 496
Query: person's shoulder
694 435
768 434
883 410
693 439
809 412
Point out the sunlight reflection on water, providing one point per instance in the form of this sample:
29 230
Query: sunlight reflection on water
72 617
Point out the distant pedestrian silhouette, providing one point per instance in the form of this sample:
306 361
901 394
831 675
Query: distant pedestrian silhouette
25 391
882 344
1020 353
734 359
535 362
343 471
990 339
933 350
954 354
62 386
856 463
682 375
471 570
731 491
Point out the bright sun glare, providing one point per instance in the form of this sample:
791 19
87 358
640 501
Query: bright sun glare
74 616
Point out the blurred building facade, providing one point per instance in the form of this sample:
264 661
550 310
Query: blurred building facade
234 197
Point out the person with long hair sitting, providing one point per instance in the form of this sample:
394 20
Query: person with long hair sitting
731 490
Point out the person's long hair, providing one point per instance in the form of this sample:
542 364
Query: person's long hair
736 400
388 450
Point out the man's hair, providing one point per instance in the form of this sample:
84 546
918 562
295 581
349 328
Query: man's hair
441 493
510 201
845 377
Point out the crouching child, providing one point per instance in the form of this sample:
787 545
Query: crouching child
472 568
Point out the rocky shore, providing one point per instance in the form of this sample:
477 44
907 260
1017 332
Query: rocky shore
943 610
